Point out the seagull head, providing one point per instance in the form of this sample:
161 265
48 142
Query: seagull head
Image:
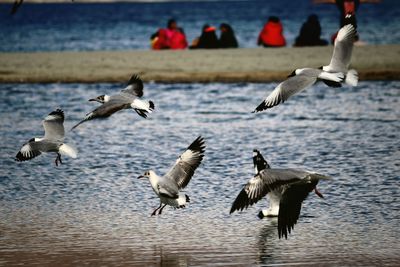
147 174
101 99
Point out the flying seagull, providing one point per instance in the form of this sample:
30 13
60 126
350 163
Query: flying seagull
287 189
341 56
332 75
298 80
51 142
167 187
127 98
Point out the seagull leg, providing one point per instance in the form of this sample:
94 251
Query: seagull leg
159 212
318 193
154 212
58 159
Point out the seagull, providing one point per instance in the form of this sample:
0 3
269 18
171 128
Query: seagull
341 56
51 142
332 75
167 187
127 98
298 80
287 189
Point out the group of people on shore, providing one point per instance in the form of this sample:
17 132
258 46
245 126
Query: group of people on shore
173 37
271 35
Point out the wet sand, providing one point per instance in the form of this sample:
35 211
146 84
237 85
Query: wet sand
228 65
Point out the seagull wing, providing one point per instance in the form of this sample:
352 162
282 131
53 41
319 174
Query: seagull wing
53 125
168 188
186 164
343 48
263 183
290 206
135 87
104 111
28 151
285 90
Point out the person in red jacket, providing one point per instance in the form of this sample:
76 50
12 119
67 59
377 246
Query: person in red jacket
171 37
178 40
272 34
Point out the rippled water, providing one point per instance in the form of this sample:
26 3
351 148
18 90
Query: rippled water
93 210
82 26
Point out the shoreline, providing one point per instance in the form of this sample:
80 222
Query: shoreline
373 62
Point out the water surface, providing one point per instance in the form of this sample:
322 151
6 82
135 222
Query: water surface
93 210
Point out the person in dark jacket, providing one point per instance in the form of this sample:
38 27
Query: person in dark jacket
272 34
310 33
227 38
207 40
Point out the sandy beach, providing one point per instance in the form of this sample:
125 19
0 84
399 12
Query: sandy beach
228 65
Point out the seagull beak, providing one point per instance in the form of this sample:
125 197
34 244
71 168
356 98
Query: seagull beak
140 177
92 99
318 193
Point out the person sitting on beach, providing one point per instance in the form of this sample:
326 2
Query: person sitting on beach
207 40
272 34
310 33
164 38
178 40
227 38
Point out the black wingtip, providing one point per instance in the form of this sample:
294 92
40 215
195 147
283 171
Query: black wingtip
57 112
198 145
187 198
151 105
260 107
135 79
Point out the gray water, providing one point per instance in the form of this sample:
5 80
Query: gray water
93 211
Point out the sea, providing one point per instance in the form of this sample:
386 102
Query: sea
123 26
93 211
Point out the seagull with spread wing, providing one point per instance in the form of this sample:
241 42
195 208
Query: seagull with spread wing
287 189
168 187
127 98
332 75
341 56
53 140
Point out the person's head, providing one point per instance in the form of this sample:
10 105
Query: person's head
224 27
172 24
273 19
313 18
205 27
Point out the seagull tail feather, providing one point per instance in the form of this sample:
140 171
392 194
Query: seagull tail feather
68 151
352 77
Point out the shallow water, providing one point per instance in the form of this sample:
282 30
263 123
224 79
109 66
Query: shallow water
79 26
93 210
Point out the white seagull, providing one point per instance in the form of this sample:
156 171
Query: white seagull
287 189
341 56
298 80
332 75
53 140
127 98
167 187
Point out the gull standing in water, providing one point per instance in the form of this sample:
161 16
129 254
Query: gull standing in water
52 141
332 75
127 98
287 189
167 187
